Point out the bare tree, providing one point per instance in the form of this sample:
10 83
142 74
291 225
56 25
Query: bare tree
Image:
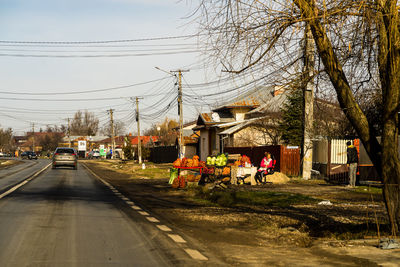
119 128
357 46
6 140
165 131
84 123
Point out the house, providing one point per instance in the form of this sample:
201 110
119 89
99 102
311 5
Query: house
29 142
231 123
190 139
92 142
253 118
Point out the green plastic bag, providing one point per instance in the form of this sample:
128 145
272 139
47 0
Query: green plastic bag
173 173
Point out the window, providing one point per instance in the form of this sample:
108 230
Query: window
65 150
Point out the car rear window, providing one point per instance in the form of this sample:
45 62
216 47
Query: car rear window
65 150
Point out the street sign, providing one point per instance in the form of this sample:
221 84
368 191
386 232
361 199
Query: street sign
81 145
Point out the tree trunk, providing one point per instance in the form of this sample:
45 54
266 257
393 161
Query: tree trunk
391 173
385 155
389 72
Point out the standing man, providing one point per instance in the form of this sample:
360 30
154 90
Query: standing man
352 160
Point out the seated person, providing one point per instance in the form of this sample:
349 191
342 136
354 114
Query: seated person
266 166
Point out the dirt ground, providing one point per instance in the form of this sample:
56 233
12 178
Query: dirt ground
341 234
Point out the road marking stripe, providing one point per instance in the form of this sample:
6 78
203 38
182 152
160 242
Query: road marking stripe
177 238
195 254
164 228
124 198
9 191
143 213
152 219
130 203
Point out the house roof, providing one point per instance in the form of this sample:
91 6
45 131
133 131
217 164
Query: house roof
271 104
96 138
251 99
144 140
236 127
118 139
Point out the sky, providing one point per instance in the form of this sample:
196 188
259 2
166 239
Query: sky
25 72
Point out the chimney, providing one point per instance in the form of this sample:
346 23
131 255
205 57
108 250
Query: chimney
278 90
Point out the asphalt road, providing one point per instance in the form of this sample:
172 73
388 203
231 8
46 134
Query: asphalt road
66 217
17 173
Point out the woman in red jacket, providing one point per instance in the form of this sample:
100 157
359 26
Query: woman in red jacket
265 165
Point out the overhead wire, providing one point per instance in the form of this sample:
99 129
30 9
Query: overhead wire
86 91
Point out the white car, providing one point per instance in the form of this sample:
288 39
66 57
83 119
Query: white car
95 154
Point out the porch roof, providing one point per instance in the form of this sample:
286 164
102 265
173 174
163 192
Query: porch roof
238 127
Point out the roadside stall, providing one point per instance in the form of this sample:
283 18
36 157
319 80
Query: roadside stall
221 169
186 171
243 169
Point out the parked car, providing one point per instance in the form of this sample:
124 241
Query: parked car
109 154
95 154
28 155
65 156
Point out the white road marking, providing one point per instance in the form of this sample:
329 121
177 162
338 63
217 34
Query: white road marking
177 238
144 213
164 228
195 254
130 203
152 219
124 198
9 191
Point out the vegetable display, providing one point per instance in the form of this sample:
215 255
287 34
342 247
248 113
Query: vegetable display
185 162
219 160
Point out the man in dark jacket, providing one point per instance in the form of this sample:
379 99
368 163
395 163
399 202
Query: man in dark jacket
352 160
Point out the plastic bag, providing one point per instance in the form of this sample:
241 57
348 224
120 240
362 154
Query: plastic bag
173 173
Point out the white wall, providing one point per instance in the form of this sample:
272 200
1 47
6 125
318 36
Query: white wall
204 145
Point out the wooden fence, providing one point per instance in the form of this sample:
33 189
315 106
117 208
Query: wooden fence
290 161
330 158
163 154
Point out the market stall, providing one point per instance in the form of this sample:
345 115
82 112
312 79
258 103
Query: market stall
219 169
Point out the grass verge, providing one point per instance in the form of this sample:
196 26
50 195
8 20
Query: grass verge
230 198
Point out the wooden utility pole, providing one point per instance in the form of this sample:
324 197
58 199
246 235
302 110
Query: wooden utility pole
68 133
180 111
308 93
112 134
33 137
138 129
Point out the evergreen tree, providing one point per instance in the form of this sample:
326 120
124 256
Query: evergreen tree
291 125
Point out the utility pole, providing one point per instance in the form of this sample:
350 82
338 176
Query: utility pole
68 133
180 111
308 93
33 135
112 133
138 129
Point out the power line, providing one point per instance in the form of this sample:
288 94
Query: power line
101 42
99 56
87 91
